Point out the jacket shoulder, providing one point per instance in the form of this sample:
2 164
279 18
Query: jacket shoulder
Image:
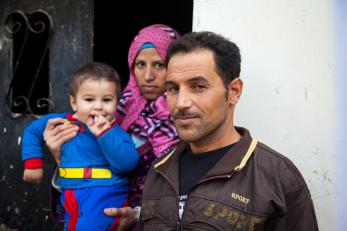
274 163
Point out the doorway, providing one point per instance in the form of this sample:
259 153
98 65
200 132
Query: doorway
116 25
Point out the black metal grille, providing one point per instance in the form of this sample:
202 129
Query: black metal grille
29 90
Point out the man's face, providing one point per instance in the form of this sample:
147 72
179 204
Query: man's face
197 98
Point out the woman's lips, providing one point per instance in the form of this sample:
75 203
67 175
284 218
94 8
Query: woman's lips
149 88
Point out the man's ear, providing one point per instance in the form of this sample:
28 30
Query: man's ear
73 103
235 90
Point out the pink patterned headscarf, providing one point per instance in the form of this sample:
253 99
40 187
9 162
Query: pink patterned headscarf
134 110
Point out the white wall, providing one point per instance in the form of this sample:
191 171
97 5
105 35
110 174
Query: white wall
290 81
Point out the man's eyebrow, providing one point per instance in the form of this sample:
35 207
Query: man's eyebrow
194 79
167 82
198 79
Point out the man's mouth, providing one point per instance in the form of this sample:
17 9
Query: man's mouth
185 120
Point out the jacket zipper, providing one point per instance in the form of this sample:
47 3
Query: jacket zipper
214 177
202 181
178 226
179 222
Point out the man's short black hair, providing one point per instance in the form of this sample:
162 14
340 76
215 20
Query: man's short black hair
226 54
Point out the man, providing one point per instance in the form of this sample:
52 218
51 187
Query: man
218 177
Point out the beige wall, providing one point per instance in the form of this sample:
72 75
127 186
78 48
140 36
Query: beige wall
290 81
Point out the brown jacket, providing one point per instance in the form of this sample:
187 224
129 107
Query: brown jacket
251 188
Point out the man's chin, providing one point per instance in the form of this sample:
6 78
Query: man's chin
188 136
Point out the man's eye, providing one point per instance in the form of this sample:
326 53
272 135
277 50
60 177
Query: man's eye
199 87
172 90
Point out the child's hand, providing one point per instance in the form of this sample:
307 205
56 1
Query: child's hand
33 175
99 124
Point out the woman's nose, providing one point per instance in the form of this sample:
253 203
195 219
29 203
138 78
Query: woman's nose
149 75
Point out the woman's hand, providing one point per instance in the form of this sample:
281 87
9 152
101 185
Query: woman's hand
57 132
127 216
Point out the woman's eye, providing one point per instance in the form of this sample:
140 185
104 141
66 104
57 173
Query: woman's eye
160 66
140 64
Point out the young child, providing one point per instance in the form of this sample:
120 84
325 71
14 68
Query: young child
93 166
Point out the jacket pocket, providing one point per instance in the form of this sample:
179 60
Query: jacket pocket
155 217
201 225
213 215
154 223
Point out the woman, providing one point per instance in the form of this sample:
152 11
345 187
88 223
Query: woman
142 112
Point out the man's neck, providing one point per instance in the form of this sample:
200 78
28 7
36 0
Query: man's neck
212 143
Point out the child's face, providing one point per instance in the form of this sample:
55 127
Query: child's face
94 98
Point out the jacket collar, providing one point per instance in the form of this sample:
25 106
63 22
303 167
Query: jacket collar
234 160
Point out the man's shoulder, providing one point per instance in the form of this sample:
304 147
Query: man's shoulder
263 151
278 166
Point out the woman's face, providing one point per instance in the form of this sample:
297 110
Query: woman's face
150 73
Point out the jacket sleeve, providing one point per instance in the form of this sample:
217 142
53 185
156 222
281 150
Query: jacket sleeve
119 149
300 214
33 142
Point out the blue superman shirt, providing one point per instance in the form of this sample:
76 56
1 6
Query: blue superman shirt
113 150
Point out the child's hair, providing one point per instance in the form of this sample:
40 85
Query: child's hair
95 71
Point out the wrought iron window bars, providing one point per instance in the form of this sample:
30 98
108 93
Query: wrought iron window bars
29 89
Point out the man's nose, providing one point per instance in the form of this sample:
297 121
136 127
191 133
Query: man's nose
184 99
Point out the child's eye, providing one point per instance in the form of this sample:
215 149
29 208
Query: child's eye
88 99
108 100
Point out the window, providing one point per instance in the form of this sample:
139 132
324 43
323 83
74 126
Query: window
30 35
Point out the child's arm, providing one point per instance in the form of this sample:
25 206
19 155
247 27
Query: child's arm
33 149
119 149
32 152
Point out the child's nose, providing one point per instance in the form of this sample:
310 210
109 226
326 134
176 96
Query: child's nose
97 105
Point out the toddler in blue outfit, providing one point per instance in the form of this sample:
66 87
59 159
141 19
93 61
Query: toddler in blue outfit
94 164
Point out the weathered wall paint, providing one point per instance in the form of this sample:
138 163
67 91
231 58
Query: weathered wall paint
341 41
291 82
24 205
